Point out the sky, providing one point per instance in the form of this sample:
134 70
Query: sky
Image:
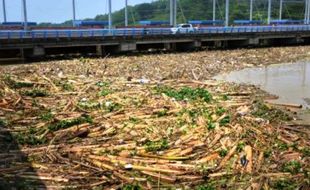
58 11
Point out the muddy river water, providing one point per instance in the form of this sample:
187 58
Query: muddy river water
291 82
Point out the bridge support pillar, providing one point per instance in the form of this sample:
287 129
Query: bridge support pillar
21 53
197 44
128 46
38 51
264 42
253 41
300 40
170 46
99 50
220 44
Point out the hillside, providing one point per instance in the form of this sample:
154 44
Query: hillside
202 10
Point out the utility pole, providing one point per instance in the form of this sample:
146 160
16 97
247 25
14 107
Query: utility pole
251 10
214 10
4 11
306 12
24 5
126 12
227 13
269 12
110 15
173 12
280 11
74 14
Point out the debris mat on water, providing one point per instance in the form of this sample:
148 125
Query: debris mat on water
97 133
89 124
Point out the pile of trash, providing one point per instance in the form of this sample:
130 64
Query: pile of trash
84 131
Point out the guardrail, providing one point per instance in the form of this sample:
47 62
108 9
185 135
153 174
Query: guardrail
45 34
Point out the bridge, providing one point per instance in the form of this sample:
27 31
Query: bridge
32 43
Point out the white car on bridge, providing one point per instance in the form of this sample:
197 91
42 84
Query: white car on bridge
183 29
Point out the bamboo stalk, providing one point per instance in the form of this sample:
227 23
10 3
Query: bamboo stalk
160 177
228 156
151 169
101 165
259 161
249 157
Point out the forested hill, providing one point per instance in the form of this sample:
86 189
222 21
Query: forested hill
202 10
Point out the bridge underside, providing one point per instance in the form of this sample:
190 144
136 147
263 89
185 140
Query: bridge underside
40 47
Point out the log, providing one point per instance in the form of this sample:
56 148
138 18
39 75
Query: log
228 156
249 157
160 177
289 105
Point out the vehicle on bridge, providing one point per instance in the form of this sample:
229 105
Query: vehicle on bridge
184 29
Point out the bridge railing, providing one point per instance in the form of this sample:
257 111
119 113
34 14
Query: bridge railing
47 34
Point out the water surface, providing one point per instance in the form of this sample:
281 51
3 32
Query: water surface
291 82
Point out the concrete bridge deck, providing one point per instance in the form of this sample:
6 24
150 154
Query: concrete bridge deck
50 42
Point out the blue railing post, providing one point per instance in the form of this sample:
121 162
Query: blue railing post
20 35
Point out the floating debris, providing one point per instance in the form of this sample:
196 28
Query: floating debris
101 131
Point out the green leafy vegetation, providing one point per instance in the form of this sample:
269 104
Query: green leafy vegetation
190 116
104 88
261 110
29 137
69 123
225 121
16 84
33 135
284 184
211 126
225 97
153 146
131 187
3 123
67 87
220 111
267 153
36 93
48 116
186 93
223 152
105 92
134 120
306 152
293 167
112 106
102 84
240 146
88 105
281 146
205 187
161 113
